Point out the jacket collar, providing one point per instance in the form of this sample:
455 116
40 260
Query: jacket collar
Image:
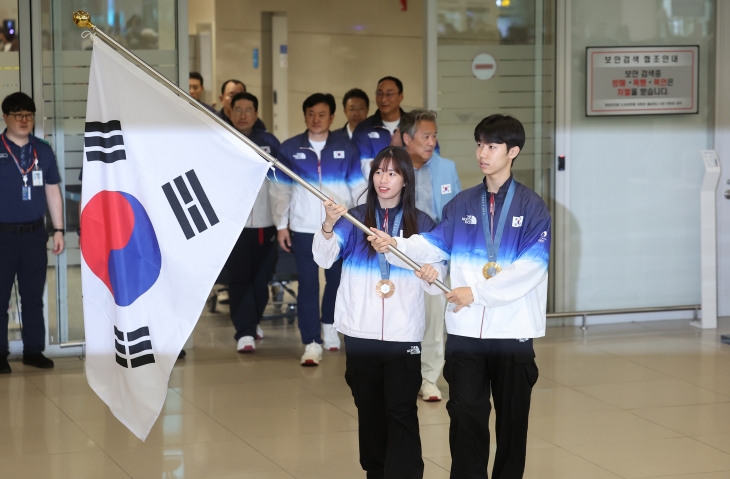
378 120
502 193
304 140
391 211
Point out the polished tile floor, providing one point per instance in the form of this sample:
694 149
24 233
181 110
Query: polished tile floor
638 400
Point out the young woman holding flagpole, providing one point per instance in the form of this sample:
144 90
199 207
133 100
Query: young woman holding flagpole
380 310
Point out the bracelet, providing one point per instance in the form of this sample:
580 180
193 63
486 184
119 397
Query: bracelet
325 231
59 230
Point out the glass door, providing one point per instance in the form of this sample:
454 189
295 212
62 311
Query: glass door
497 56
149 29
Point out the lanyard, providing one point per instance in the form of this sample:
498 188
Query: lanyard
24 174
493 241
384 266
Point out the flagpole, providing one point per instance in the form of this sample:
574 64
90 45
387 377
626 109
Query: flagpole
83 20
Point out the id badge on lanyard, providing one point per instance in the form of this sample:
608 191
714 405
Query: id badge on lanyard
37 176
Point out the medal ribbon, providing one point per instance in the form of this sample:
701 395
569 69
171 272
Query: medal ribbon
384 265
494 241
24 174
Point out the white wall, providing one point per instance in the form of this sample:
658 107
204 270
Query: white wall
334 45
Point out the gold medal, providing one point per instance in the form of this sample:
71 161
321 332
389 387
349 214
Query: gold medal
385 288
491 269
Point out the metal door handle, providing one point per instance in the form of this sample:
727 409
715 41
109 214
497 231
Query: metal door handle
727 194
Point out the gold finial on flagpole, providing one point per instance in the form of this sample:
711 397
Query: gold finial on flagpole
83 20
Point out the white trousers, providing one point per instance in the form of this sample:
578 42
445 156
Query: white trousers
434 342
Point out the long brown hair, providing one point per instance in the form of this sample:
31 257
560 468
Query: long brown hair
401 162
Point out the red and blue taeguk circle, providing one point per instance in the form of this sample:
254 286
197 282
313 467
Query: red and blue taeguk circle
119 245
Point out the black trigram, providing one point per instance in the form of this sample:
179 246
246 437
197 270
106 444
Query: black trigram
197 197
104 141
132 350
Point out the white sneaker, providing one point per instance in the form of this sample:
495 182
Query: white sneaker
330 337
429 391
246 345
259 332
312 354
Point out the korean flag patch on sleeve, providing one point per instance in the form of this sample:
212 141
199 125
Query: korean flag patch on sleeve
339 154
517 221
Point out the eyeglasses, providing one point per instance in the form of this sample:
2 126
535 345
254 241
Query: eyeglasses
247 111
389 94
23 116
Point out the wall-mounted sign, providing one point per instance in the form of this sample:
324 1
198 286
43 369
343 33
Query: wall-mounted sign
484 66
642 80
283 56
255 57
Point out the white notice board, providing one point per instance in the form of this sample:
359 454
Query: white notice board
642 80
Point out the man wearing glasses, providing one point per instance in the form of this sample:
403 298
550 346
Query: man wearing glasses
376 132
229 89
253 258
28 186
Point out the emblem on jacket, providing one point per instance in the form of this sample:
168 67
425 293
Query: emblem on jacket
414 350
300 156
373 134
445 189
543 237
517 221
470 220
339 154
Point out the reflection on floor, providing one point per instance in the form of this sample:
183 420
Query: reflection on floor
622 401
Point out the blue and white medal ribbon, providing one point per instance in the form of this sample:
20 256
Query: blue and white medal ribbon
492 268
385 287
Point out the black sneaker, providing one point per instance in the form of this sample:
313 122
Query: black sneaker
4 366
182 354
37 360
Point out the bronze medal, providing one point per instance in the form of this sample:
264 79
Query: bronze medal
491 269
385 288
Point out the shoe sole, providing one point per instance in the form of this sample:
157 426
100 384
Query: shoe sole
310 363
39 367
259 337
432 399
332 349
247 349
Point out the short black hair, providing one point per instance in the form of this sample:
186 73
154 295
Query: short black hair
356 93
500 129
236 82
318 98
18 101
397 82
197 76
245 96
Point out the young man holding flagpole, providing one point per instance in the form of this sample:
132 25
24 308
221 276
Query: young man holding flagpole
497 236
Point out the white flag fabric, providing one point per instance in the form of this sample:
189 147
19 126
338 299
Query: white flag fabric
166 193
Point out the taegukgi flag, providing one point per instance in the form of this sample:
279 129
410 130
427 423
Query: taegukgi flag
166 193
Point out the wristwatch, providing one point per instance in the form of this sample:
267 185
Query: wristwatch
59 230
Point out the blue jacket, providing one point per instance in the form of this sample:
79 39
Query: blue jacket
371 136
337 175
445 181
510 305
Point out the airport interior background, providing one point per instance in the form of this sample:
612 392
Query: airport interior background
643 390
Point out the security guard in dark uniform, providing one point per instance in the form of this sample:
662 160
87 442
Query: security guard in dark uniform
29 183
